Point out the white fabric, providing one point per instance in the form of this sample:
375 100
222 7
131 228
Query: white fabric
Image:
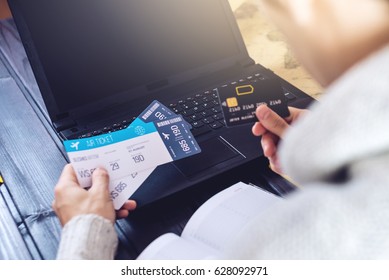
88 237
331 218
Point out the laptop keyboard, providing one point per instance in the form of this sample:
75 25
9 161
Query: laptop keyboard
108 129
202 110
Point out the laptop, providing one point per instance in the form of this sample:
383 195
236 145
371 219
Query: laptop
99 64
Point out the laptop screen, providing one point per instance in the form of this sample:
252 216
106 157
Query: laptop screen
90 49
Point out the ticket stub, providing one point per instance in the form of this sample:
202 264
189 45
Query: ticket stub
156 111
240 101
126 153
121 189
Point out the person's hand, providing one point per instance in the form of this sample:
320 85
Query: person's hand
272 128
71 200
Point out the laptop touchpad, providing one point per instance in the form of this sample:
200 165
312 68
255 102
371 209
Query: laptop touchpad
213 152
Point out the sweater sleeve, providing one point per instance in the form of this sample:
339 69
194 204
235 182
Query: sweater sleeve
88 237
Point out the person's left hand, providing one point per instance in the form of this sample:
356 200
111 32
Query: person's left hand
71 200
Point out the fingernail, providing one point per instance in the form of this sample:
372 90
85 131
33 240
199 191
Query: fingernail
263 112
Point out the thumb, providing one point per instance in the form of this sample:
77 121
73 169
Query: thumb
100 182
271 121
68 177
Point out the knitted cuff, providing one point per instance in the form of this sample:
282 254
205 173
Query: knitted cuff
88 237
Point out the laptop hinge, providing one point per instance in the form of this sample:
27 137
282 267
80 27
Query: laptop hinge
247 62
64 124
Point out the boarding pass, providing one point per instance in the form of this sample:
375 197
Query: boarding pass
130 155
124 188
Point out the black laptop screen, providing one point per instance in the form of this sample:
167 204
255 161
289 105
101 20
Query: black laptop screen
90 49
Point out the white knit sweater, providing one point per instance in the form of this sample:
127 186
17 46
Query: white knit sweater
339 154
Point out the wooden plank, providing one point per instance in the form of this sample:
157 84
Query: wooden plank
12 245
18 220
25 142
13 51
31 164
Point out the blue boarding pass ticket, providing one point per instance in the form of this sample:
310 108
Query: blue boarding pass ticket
125 187
126 153
156 111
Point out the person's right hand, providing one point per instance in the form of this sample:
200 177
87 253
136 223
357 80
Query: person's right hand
272 128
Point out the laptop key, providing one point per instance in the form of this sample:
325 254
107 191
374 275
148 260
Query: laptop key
196 103
186 106
216 110
176 110
290 96
207 98
207 105
187 113
206 113
208 120
197 124
198 109
218 116
196 117
216 125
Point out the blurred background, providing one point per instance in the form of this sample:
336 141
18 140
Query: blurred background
267 46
